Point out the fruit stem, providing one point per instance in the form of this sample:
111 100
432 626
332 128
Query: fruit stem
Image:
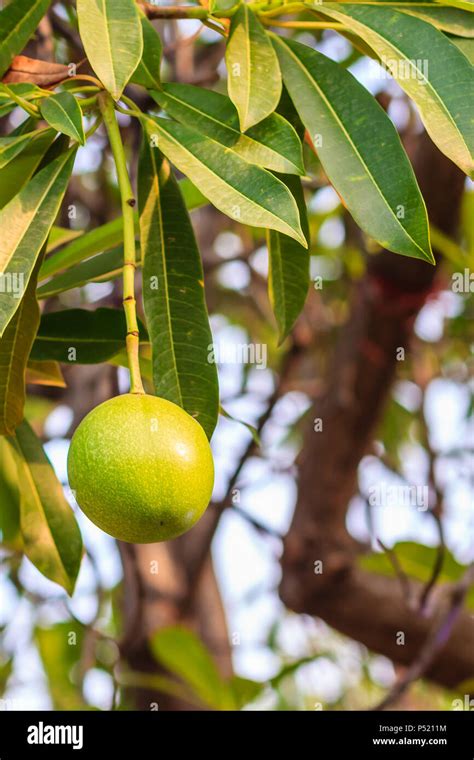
107 108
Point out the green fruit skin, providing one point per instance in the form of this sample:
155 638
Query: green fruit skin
141 468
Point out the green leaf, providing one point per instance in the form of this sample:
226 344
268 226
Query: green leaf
465 46
86 245
431 70
61 648
107 236
24 89
121 360
16 173
359 148
251 428
25 223
45 373
417 561
18 21
246 193
222 5
15 347
147 72
52 540
59 236
183 654
254 79
450 20
105 266
77 336
273 143
111 33
173 293
244 691
10 147
62 111
465 5
10 536
288 275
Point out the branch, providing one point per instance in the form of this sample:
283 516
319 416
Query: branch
206 528
381 317
435 642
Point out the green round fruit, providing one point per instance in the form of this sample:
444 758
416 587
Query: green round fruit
141 468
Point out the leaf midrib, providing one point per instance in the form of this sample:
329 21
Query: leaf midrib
20 23
349 139
38 502
165 275
229 128
60 107
402 55
220 179
39 205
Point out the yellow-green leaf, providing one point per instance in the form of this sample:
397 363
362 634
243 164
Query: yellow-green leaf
254 79
25 223
431 70
359 148
173 293
51 536
62 111
18 21
245 192
273 143
15 347
111 33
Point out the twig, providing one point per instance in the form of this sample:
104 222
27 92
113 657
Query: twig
400 573
198 562
437 567
260 527
435 641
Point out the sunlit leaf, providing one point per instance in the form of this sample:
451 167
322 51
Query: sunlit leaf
431 70
15 347
273 143
254 79
359 148
51 537
25 223
18 21
243 191
173 293
62 111
111 33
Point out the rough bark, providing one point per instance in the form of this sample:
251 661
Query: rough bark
384 305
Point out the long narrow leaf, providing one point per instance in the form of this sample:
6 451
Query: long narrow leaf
254 79
113 40
51 537
246 193
359 148
25 223
273 143
288 277
15 347
173 293
18 21
431 70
